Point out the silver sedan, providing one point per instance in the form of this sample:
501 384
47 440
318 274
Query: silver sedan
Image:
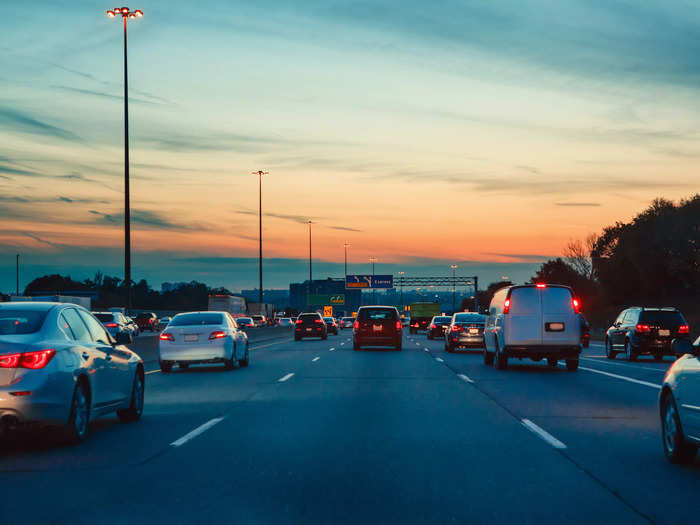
58 365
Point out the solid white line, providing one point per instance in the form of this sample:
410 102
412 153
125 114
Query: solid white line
606 361
315 359
197 431
439 359
253 347
624 378
152 372
549 438
465 378
283 379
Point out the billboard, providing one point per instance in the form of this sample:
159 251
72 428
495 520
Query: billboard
369 281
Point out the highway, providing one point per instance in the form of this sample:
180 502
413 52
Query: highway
314 432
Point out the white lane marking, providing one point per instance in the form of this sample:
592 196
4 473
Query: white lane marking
197 431
549 438
417 344
333 348
426 350
624 378
285 378
439 360
464 378
606 361
315 359
253 347
342 343
152 372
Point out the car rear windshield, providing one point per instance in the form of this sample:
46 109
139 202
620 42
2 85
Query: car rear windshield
376 314
196 319
244 320
21 321
329 319
104 317
662 318
442 319
309 318
470 318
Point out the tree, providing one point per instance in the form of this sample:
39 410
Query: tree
559 271
578 255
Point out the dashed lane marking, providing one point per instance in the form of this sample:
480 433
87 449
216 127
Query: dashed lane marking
439 360
542 433
466 379
285 378
624 378
152 372
197 431
315 359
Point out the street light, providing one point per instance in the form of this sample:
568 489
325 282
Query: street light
401 274
125 14
346 245
374 292
454 267
260 173
310 274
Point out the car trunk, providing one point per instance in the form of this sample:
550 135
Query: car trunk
7 375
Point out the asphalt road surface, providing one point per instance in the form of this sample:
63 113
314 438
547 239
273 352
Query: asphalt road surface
314 432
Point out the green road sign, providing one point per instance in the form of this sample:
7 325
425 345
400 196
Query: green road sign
325 299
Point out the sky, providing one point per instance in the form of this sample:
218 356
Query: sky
486 134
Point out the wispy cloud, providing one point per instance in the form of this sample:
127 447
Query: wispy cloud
16 120
145 218
578 204
103 94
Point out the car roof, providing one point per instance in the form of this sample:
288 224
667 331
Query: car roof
378 306
35 306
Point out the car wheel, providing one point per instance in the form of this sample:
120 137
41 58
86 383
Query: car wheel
230 364
133 413
166 366
324 337
676 448
609 352
246 359
79 418
572 365
488 358
500 361
552 363
630 354
450 348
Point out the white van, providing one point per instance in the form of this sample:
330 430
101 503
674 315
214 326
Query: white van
536 321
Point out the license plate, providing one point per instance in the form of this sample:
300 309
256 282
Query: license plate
664 332
555 327
191 338
474 331
308 329
377 327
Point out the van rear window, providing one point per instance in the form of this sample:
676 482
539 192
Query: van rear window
524 301
556 300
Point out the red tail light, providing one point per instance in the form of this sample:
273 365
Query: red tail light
356 325
684 329
317 321
398 325
33 360
457 328
643 328
111 325
577 305
165 336
217 335
432 326
506 306
541 285
299 321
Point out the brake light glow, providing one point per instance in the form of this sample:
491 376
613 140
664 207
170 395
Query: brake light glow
299 321
21 393
317 321
111 325
506 306
643 328
218 334
32 360
541 285
356 325
457 328
577 305
398 325
9 361
165 336
684 329
433 326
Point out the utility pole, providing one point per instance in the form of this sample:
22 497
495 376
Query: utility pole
476 294
310 272
374 291
346 245
454 267
401 274
260 173
17 275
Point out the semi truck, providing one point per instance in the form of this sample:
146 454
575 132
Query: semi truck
421 315
227 303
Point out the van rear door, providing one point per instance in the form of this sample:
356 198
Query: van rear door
524 317
560 323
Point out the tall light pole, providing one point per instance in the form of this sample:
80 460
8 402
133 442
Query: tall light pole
310 272
401 274
260 173
346 245
454 267
126 14
374 291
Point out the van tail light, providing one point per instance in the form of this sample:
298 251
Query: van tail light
218 334
684 329
457 328
356 325
32 360
506 306
398 325
643 328
111 325
165 336
318 321
577 305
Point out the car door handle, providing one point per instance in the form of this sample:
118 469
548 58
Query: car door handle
86 356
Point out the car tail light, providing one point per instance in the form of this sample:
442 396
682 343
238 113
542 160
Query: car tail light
218 334
506 306
356 325
36 360
317 321
456 328
111 325
643 328
9 361
299 321
576 304
432 326
165 336
684 329
398 325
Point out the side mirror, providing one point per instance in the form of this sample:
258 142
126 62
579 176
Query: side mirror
122 338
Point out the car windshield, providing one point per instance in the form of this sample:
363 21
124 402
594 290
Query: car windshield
662 318
376 314
329 319
105 318
442 319
244 320
470 318
15 322
197 319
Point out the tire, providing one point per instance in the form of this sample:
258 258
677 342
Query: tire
246 359
500 361
77 427
552 363
355 345
450 348
572 365
676 448
488 358
166 366
428 336
609 352
133 413
630 354
297 338
324 337
230 364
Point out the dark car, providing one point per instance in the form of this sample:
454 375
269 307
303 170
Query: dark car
117 325
466 330
377 326
245 322
147 321
310 325
437 327
331 325
639 330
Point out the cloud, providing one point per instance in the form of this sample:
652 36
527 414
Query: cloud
345 229
146 218
102 94
578 204
16 120
301 219
530 257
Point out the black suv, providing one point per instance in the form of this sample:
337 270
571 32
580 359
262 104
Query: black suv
640 330
377 326
310 325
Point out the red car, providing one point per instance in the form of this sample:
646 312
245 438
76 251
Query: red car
147 321
377 326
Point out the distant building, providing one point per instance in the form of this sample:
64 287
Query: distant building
278 298
298 295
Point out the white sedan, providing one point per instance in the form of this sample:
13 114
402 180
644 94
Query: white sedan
202 337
